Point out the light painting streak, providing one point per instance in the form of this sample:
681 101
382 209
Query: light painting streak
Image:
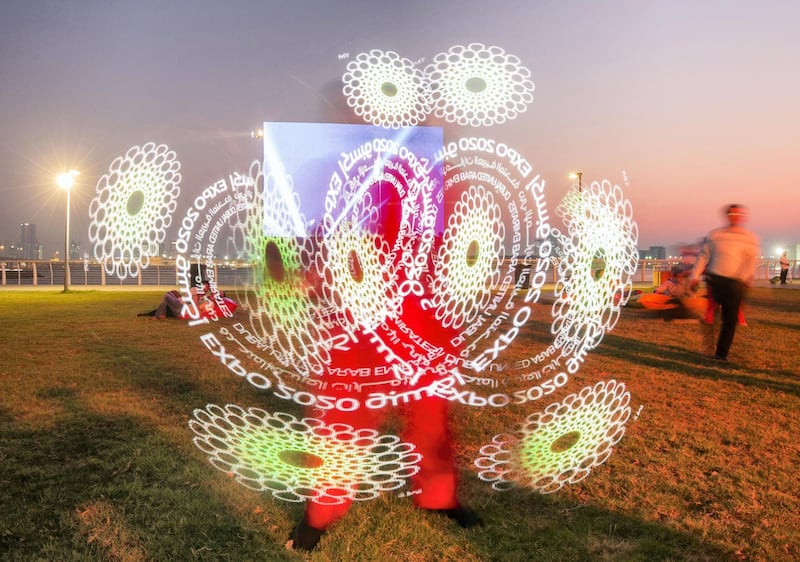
600 259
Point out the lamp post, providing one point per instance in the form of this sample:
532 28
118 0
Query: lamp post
65 182
578 176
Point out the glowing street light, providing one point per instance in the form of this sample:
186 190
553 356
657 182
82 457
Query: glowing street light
65 182
577 176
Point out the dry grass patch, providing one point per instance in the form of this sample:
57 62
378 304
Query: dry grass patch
94 405
100 523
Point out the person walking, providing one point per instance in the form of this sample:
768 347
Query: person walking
728 260
784 268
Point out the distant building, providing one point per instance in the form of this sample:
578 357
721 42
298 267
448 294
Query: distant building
653 253
31 249
75 250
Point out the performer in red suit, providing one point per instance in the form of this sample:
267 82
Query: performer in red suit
425 419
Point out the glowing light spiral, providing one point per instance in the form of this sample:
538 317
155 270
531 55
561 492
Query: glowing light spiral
600 257
560 445
468 266
478 85
386 90
133 207
297 460
359 279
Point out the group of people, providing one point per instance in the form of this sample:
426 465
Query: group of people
727 262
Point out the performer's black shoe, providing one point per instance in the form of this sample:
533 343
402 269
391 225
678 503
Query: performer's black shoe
464 516
304 536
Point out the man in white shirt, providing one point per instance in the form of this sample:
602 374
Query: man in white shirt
784 268
728 260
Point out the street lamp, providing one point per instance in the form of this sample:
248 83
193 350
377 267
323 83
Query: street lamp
65 182
577 176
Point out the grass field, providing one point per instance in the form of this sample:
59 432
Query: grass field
97 460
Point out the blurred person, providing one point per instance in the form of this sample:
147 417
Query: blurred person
678 285
728 260
210 304
784 268
424 421
711 312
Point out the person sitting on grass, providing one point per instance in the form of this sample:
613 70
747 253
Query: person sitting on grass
210 304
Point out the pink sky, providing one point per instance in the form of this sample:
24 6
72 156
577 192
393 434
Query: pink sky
694 102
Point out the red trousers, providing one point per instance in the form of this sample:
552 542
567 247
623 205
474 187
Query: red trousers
424 424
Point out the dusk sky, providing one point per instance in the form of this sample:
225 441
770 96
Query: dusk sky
686 104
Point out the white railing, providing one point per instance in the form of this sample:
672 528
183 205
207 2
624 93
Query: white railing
34 273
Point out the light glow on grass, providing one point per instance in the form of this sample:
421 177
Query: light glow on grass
297 460
560 445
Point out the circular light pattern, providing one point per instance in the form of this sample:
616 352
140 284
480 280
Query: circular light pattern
594 276
560 445
494 201
359 278
133 207
441 314
282 304
386 90
478 85
297 460
467 269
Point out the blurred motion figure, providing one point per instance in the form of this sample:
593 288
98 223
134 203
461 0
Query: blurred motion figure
728 259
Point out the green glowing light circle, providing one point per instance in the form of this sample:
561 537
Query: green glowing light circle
282 303
561 444
135 202
297 460
469 260
600 225
386 89
476 84
389 89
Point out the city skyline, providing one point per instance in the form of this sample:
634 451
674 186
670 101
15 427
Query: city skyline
687 106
